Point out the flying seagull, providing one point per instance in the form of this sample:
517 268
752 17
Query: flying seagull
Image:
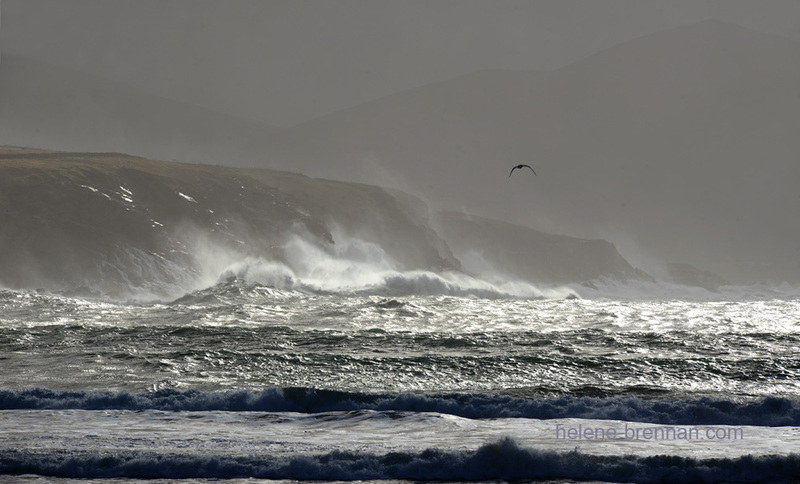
520 167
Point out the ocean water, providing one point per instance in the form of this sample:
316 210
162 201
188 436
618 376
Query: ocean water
246 382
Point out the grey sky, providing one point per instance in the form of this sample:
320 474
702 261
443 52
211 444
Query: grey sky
287 61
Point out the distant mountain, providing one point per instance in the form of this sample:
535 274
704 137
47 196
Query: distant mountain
47 106
679 147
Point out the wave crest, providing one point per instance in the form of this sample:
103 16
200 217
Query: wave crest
769 411
503 459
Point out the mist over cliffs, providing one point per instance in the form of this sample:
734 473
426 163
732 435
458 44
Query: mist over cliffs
679 147
492 247
115 225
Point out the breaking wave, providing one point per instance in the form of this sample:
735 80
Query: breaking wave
356 267
769 411
350 266
375 281
504 459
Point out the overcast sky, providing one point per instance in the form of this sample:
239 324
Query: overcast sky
287 61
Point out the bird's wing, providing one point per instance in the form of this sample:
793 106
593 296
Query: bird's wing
512 171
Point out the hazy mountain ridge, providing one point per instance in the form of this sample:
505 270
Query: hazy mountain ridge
117 224
55 107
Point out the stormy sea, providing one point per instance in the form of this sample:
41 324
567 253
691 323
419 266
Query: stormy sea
333 358
242 380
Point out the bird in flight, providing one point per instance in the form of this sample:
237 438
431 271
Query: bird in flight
520 167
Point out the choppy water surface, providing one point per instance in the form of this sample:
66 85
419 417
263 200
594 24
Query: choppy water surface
258 337
331 373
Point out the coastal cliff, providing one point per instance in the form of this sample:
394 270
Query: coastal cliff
109 222
116 225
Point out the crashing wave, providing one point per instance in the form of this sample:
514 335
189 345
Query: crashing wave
501 460
769 411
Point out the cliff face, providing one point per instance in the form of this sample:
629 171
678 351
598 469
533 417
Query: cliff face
491 247
114 222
